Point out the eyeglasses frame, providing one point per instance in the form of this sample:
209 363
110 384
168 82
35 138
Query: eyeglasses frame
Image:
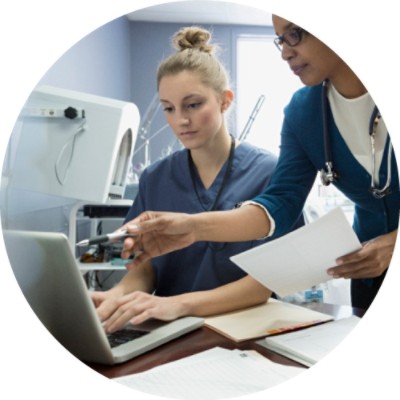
279 40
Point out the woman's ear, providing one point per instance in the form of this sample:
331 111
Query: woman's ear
227 99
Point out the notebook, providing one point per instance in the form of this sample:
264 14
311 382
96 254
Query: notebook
47 272
310 345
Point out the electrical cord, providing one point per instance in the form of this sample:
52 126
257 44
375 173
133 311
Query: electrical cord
62 180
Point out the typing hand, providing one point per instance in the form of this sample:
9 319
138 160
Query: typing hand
138 307
106 302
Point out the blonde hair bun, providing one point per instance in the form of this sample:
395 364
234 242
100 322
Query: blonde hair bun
194 38
194 53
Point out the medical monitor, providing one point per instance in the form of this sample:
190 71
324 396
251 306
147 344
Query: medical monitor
74 144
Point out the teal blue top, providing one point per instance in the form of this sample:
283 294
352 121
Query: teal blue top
302 156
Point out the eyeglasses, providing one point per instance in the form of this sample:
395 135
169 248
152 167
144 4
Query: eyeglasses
292 38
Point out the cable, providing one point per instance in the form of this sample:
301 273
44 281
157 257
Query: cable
60 180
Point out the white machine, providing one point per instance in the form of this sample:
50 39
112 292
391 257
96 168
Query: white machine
73 144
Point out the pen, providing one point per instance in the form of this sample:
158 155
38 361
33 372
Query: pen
104 238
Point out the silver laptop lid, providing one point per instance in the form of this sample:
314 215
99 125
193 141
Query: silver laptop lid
50 280
49 277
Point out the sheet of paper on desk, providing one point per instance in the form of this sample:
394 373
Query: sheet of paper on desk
213 374
300 259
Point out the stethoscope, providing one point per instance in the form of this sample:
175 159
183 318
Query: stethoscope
328 174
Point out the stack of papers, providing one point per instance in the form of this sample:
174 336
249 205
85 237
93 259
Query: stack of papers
310 345
270 318
213 374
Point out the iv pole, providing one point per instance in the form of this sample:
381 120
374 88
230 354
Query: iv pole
144 132
145 127
252 117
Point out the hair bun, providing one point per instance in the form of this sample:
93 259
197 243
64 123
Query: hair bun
193 38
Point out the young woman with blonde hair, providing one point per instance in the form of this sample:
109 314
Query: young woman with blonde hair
213 172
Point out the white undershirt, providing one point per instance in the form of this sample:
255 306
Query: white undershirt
352 117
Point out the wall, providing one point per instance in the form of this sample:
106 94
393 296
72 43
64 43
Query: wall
99 63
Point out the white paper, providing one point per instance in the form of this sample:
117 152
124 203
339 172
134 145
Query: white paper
213 374
300 259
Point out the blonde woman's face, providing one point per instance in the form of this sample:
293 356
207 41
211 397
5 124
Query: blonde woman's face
193 111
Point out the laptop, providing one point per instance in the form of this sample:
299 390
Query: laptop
48 274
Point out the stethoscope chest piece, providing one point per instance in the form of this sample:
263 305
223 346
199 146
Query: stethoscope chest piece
328 175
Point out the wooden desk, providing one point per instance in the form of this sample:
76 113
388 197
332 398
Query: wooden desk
204 339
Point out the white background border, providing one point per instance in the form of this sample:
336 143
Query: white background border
34 34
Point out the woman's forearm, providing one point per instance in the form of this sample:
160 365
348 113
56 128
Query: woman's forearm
249 222
245 292
156 233
140 278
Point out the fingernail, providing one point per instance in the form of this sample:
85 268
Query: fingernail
133 228
109 330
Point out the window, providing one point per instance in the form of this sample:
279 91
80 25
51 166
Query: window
261 72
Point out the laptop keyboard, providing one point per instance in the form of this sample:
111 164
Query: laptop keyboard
123 336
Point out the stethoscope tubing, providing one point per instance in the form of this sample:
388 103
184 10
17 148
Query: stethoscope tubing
328 174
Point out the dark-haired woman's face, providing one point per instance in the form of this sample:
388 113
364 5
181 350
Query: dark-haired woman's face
311 60
193 110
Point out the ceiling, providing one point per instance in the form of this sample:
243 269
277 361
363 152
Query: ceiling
210 12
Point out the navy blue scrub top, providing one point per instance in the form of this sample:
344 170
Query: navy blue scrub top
166 185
